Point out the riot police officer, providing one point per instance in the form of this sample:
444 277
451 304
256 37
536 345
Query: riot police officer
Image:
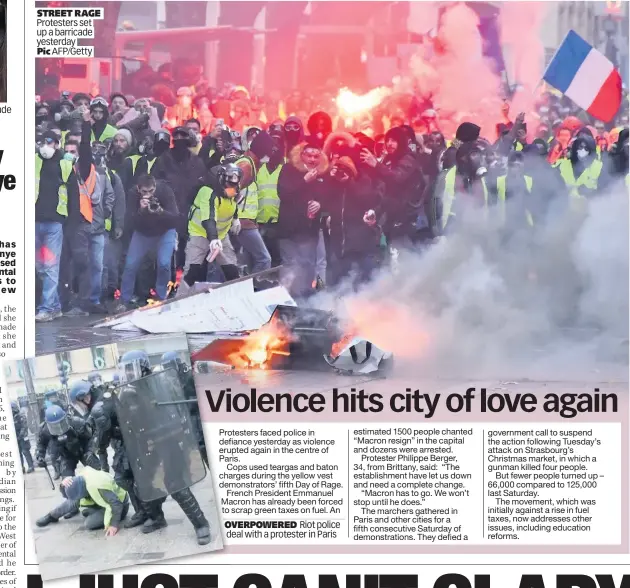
73 439
98 387
82 401
176 360
161 440
21 432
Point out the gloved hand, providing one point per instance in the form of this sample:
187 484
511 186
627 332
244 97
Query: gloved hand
235 229
216 244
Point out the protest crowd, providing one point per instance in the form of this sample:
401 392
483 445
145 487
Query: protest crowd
139 196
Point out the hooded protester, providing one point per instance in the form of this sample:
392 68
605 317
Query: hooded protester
319 127
101 129
462 186
353 246
303 193
581 172
268 200
184 172
293 133
249 205
401 174
56 197
618 161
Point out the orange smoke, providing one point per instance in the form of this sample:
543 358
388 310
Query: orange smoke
520 24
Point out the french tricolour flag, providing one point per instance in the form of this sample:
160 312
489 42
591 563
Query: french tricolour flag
586 76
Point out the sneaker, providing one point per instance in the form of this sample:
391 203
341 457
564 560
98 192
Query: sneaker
203 535
43 317
152 525
46 520
56 314
30 470
76 312
97 309
119 308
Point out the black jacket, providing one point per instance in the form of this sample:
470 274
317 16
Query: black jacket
402 177
184 176
294 194
155 224
347 204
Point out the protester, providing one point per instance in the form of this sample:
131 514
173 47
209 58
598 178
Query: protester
331 202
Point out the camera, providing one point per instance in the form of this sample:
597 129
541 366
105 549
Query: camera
154 205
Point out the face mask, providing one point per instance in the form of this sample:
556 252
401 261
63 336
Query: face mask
582 154
69 157
198 138
230 192
40 118
160 147
46 151
481 171
264 159
180 144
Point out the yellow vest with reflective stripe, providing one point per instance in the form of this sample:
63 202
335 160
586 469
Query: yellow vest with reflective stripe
224 209
134 162
268 201
501 191
449 195
108 221
248 201
96 480
588 178
66 170
109 132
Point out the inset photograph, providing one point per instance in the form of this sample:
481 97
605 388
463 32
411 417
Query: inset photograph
114 456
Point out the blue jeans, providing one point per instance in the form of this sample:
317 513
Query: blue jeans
253 244
87 258
139 247
48 243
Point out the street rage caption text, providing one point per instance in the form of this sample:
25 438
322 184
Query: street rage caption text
567 405
351 581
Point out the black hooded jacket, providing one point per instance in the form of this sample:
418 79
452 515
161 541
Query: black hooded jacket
293 139
402 178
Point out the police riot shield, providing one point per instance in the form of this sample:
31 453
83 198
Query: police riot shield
159 435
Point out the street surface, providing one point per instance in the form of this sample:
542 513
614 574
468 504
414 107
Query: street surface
67 549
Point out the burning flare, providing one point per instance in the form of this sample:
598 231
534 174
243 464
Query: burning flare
352 105
259 348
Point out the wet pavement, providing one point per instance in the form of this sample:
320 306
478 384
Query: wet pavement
76 333
67 549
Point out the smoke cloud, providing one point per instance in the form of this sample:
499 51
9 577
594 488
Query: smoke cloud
483 304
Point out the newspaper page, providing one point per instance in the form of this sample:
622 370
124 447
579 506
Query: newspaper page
324 293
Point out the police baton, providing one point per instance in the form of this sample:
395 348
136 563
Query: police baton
49 476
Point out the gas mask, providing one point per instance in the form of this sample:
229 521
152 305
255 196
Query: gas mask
46 151
70 156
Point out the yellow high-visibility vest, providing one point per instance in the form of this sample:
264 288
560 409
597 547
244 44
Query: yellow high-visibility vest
66 170
588 178
501 192
449 195
248 202
95 481
109 132
224 209
268 200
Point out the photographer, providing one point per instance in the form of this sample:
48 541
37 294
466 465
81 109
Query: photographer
213 215
154 229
